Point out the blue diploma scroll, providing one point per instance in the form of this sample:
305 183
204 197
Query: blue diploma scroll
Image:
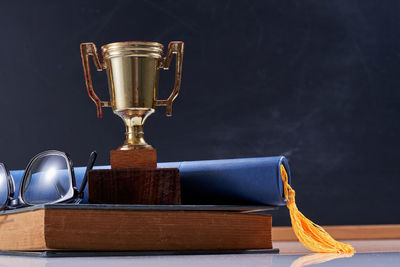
246 181
243 181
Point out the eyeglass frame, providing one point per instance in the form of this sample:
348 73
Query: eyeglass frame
74 194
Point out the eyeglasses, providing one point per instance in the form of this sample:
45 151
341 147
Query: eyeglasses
49 178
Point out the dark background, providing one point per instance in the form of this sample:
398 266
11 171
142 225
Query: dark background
316 81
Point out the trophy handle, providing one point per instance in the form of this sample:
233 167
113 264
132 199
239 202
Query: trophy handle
173 48
89 49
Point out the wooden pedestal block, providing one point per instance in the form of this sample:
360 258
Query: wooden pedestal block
147 186
139 158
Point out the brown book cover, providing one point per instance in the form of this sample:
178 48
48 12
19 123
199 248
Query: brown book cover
132 227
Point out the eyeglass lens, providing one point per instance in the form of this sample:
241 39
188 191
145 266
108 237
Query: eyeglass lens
47 180
3 185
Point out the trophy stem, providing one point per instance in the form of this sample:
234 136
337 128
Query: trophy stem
135 152
134 138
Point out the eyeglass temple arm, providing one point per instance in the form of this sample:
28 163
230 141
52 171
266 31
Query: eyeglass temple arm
92 159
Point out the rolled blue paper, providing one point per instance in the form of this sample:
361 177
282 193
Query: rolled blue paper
243 181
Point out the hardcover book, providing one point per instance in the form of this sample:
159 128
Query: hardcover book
133 228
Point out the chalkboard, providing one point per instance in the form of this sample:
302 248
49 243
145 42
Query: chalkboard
316 81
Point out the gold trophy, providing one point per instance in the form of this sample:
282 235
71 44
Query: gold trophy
132 71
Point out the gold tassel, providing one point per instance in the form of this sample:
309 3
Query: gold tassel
311 235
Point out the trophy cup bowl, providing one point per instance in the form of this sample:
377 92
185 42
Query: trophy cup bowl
132 70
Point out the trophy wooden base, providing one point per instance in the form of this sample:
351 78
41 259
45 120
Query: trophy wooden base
147 186
138 158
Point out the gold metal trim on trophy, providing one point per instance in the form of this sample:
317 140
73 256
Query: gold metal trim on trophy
132 48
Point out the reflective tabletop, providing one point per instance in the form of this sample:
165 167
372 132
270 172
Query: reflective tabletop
256 260
369 253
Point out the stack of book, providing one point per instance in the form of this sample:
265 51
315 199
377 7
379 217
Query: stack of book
223 209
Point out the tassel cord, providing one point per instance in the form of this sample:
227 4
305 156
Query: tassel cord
311 235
